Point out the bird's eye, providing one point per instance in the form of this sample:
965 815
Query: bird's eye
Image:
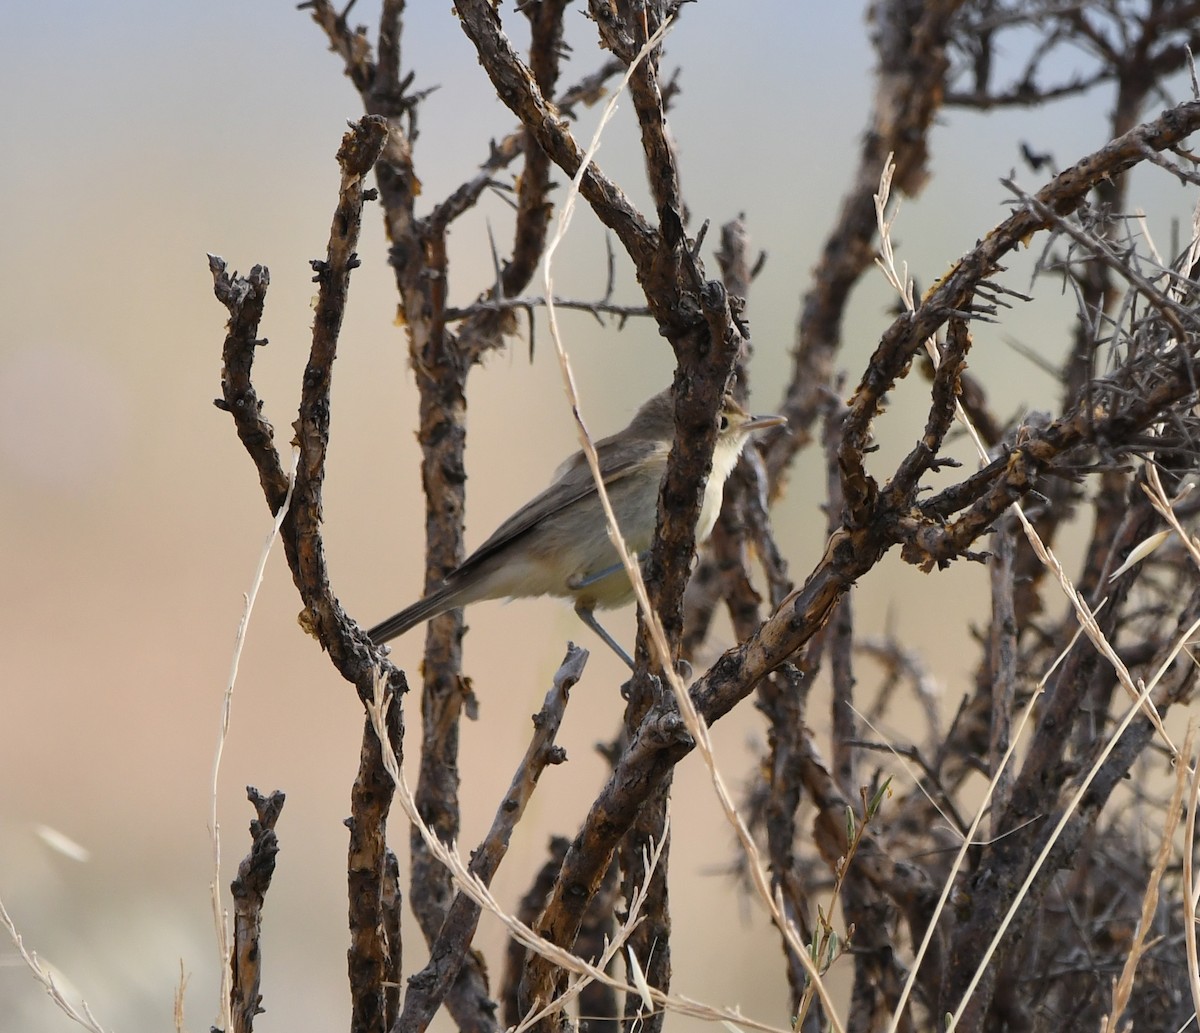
724 425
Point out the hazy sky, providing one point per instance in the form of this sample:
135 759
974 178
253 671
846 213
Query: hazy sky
139 136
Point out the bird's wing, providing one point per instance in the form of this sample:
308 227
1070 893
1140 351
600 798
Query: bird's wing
573 484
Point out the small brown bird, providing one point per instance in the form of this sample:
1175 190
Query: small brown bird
557 544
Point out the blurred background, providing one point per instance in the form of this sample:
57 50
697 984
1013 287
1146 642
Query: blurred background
137 137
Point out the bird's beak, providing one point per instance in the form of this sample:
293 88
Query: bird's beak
762 422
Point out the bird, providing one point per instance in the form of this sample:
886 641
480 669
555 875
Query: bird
557 544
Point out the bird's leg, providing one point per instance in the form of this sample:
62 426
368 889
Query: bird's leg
589 618
682 667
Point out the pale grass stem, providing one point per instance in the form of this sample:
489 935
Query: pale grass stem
220 915
83 1015
1041 550
1059 826
474 889
1157 495
901 282
180 993
1191 892
1123 987
692 720
1141 701
969 840
85 1018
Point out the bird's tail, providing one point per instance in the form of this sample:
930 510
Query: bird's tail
437 602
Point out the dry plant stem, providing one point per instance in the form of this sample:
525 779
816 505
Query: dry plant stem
905 665
180 991
538 988
422 277
910 41
369 956
1098 292
964 956
249 891
538 985
650 939
855 549
1113 761
392 904
943 409
1102 254
528 909
783 697
515 85
877 521
651 936
83 1017
1144 52
597 307
865 910
1158 498
372 959
383 92
1002 652
959 349
1033 798
878 972
1191 890
428 987
1117 763
351 654
442 360
692 314
927 946
904 885
1045 765
214 827
598 1003
484 330
1121 521
377 708
985 495
533 206
244 299
837 637
1123 986
625 28
1138 74
1056 845
357 155
956 290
